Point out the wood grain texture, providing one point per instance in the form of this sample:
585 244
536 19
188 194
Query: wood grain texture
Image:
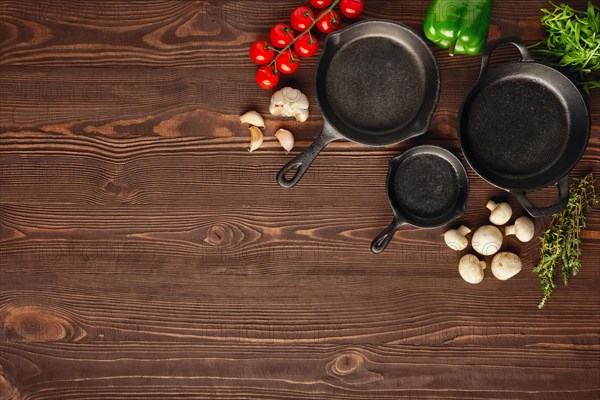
144 254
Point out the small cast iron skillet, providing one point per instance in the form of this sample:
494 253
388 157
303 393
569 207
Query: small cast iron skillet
524 126
427 187
377 83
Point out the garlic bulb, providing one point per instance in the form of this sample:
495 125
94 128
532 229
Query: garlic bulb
286 139
256 138
253 118
289 102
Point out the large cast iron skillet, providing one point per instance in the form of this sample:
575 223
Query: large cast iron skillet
523 127
377 83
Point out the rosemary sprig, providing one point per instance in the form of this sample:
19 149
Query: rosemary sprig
561 242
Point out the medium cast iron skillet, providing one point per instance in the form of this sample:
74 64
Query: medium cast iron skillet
377 83
427 187
524 126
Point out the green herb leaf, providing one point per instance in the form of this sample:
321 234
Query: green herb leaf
561 242
573 41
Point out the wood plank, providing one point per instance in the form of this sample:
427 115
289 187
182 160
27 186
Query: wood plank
230 371
191 33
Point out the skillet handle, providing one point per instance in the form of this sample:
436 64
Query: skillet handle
305 159
489 48
383 239
563 198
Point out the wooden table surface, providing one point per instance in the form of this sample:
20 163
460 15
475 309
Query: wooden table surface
145 254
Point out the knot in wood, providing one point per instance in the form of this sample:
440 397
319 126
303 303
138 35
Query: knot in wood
347 363
7 390
215 235
33 324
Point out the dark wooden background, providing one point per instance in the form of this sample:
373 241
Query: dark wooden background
145 254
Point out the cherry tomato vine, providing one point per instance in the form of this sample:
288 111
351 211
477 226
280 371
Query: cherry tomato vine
282 54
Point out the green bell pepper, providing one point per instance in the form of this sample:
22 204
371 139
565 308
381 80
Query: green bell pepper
460 25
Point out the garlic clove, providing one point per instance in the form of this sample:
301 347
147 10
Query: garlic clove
252 118
286 139
256 138
277 97
294 96
275 109
301 115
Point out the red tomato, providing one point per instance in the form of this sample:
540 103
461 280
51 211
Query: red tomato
320 3
301 18
352 8
261 52
330 21
306 45
267 77
287 63
281 35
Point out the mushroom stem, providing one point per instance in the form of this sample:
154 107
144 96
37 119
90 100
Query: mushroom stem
471 268
509 230
500 213
455 238
463 230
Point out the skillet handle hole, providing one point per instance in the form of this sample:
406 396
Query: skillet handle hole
291 173
542 197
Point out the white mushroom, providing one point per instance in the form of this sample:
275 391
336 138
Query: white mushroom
289 102
523 229
455 238
471 269
505 265
253 118
487 240
500 212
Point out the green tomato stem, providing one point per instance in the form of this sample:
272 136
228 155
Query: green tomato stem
288 47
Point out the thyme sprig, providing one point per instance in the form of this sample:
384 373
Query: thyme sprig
561 242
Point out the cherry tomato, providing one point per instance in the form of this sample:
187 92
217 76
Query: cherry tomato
306 45
320 3
352 8
261 52
287 63
301 18
281 35
267 77
330 21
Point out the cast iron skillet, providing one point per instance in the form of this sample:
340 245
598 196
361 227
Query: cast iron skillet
427 187
377 83
523 127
